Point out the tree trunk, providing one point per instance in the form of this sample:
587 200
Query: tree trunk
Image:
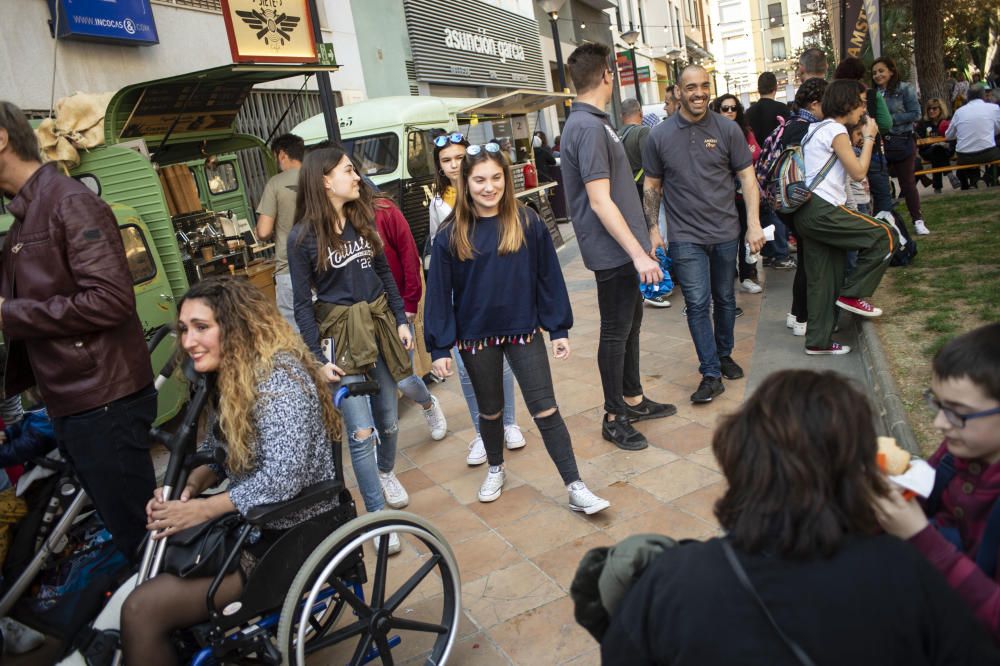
928 43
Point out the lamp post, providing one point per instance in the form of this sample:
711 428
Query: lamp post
675 55
551 7
630 38
727 76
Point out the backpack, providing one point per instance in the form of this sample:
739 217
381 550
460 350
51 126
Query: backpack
904 253
784 186
770 150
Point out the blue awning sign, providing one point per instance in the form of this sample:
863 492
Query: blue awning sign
116 21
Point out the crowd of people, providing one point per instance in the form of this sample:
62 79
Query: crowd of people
350 288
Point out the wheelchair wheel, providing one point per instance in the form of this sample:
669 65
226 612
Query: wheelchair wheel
414 596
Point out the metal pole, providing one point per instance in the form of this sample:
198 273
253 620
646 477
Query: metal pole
323 80
559 60
635 76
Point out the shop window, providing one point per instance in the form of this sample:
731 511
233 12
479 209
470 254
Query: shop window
140 260
775 15
221 178
420 153
377 154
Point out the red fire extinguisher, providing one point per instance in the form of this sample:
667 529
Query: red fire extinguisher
530 176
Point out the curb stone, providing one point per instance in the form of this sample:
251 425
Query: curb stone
888 403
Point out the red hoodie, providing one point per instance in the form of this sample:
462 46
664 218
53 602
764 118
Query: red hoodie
966 504
400 251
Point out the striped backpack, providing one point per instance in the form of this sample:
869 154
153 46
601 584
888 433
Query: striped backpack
784 183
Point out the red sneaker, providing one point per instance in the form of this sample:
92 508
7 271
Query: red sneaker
859 306
835 349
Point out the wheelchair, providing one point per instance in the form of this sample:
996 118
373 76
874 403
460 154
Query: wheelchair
312 591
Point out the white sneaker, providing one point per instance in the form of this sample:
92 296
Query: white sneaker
799 329
513 438
921 228
477 452
394 546
790 320
751 287
18 638
493 484
436 420
395 493
581 499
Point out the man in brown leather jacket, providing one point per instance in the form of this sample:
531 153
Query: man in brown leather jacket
67 311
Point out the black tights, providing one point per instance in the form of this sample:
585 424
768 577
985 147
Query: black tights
163 605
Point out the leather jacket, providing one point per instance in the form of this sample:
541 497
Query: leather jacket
68 316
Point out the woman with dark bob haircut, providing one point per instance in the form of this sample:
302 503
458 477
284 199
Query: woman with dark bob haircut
799 462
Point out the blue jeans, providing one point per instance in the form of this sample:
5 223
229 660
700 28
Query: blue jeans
413 387
705 274
283 295
378 413
778 248
509 416
878 184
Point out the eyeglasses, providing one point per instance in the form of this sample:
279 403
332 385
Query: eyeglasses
728 109
475 148
445 139
933 108
953 417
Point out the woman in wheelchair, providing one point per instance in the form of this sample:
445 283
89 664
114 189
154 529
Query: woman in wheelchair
334 248
274 418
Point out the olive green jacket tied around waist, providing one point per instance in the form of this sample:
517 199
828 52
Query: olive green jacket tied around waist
362 331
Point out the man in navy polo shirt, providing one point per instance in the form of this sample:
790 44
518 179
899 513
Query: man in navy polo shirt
691 161
614 241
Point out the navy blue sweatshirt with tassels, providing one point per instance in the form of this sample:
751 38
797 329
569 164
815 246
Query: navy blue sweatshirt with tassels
494 298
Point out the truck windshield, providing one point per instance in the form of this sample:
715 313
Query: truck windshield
377 154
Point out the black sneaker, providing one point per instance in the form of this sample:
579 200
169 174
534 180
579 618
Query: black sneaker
709 388
647 409
784 264
768 262
730 369
739 313
621 433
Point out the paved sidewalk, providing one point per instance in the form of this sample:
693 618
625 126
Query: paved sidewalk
518 555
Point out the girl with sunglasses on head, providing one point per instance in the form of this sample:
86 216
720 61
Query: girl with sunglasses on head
934 124
730 107
334 248
495 284
449 151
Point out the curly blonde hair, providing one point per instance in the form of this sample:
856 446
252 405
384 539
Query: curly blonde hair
252 334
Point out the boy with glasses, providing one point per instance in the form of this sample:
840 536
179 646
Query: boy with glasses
958 527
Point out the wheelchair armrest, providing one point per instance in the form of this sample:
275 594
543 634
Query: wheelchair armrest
314 494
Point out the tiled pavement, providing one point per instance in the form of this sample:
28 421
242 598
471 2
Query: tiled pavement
518 555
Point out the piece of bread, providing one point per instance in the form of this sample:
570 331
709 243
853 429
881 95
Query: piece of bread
892 459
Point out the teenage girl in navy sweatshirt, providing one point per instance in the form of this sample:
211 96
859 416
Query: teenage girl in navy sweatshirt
494 285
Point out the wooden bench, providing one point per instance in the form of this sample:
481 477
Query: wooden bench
925 172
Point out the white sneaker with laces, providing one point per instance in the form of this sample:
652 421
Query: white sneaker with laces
493 484
477 452
513 437
395 493
799 329
581 499
921 228
436 420
751 287
394 546
18 638
790 320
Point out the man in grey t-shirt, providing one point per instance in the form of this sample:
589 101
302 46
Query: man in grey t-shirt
276 215
614 241
691 162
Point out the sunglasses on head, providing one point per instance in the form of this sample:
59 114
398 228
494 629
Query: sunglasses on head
731 109
476 148
445 139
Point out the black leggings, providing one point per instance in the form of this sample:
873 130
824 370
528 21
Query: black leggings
163 605
530 364
620 304
745 271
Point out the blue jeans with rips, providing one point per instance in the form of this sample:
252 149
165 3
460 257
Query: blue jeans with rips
413 387
706 274
376 452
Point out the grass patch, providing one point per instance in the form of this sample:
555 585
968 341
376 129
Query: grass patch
952 287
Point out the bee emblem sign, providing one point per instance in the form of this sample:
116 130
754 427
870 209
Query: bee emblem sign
270 31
